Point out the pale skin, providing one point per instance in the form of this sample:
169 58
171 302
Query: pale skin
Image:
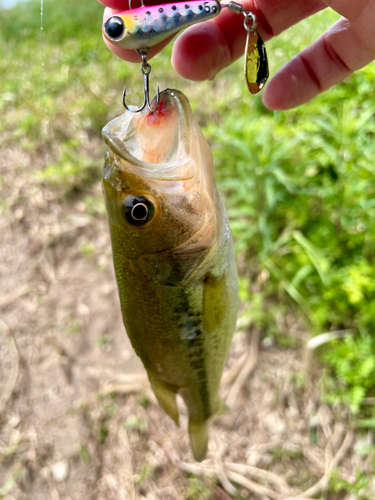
201 51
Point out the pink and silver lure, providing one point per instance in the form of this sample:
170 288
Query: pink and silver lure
141 28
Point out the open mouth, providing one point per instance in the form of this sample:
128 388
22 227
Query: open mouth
160 142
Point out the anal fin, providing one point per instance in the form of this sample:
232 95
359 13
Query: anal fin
166 397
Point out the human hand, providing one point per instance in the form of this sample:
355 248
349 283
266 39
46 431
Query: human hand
204 49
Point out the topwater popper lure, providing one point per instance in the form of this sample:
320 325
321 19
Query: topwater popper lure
143 27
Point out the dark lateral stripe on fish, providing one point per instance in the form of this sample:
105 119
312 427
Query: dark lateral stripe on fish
196 352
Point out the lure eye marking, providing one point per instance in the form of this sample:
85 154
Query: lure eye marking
114 28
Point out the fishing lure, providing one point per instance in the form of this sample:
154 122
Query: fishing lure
144 27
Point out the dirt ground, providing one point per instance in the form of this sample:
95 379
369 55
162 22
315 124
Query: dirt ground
77 417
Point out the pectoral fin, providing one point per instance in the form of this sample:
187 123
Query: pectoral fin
215 301
166 396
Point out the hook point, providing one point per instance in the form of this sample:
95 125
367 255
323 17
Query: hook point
152 110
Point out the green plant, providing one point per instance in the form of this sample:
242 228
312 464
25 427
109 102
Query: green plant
137 424
353 362
197 490
357 489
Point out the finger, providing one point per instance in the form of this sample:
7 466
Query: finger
204 49
121 5
133 56
347 8
344 48
200 55
115 4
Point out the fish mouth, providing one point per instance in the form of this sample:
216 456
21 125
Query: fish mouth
155 144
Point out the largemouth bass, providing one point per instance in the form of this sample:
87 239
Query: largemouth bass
173 256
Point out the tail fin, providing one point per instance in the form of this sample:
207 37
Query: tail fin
199 439
198 430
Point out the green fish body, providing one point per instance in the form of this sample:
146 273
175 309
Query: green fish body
173 256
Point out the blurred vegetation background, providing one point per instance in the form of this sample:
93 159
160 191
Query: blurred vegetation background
299 185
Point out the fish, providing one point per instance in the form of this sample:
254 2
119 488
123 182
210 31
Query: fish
173 256
144 27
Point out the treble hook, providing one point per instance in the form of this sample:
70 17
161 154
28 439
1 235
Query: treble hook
146 70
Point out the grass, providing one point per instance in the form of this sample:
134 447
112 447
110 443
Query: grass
299 185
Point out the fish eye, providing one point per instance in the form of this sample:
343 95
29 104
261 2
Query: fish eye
114 28
137 210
